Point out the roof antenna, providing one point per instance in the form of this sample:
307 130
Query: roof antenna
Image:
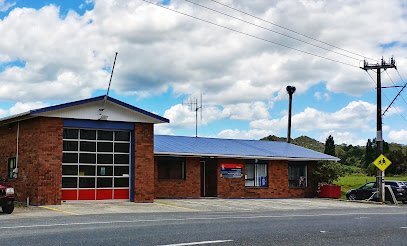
194 104
102 116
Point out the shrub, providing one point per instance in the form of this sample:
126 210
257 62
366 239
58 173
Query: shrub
328 172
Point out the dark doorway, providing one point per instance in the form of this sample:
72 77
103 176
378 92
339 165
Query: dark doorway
209 178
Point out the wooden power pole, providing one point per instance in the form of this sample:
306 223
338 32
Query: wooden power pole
379 135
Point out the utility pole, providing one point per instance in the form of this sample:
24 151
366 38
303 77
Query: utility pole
290 90
379 135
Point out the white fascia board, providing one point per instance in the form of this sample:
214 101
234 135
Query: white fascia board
242 157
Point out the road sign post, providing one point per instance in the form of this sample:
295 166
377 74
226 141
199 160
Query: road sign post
382 163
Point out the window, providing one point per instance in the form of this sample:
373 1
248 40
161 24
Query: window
11 166
297 175
256 175
171 168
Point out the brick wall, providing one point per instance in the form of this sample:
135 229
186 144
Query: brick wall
143 162
230 187
277 183
190 187
39 160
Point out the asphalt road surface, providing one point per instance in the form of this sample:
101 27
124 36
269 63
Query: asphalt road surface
384 225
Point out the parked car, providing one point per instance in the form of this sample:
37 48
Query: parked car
366 191
6 197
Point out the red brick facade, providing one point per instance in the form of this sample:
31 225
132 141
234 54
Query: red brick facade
39 160
190 187
233 187
277 183
40 168
143 162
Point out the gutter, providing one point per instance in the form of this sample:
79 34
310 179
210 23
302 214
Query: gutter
243 156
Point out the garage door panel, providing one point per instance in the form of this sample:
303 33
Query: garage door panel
96 164
87 194
121 194
69 195
106 194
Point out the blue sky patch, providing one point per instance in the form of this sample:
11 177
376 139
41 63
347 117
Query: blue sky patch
16 63
390 45
79 6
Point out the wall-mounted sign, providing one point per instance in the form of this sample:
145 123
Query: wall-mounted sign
263 181
231 170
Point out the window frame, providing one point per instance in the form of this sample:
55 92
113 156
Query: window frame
165 162
297 180
256 167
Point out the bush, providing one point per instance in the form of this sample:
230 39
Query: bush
352 170
371 170
328 172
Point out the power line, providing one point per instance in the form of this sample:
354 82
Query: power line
250 35
386 97
285 28
270 30
396 87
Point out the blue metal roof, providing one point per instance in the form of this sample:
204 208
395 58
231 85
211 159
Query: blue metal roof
216 147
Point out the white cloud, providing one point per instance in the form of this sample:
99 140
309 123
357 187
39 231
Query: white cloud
343 138
4 6
398 136
184 116
327 97
20 107
24 107
159 49
356 114
3 112
162 129
242 134
246 111
318 95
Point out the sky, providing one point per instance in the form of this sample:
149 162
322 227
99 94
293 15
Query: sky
237 55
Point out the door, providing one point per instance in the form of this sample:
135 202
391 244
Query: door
209 181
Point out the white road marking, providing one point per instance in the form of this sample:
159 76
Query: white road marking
361 218
201 218
403 227
322 231
198 243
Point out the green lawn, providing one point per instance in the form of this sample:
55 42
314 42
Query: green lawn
355 181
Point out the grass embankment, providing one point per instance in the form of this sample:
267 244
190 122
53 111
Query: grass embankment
356 180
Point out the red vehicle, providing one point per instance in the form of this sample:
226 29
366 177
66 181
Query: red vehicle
6 197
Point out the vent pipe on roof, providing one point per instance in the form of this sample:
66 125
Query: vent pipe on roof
290 90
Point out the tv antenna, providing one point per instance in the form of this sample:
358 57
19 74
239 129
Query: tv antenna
195 106
104 117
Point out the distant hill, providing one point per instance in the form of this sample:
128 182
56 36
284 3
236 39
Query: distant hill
302 141
355 158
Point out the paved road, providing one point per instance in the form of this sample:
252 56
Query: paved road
362 224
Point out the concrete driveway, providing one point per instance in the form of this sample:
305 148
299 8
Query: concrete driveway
187 205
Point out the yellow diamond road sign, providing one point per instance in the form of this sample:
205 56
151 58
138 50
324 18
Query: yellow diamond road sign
382 162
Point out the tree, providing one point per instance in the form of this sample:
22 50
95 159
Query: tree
328 172
330 146
370 154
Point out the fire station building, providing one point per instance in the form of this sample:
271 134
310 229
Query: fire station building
104 149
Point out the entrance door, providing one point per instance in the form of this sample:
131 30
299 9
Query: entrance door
209 178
